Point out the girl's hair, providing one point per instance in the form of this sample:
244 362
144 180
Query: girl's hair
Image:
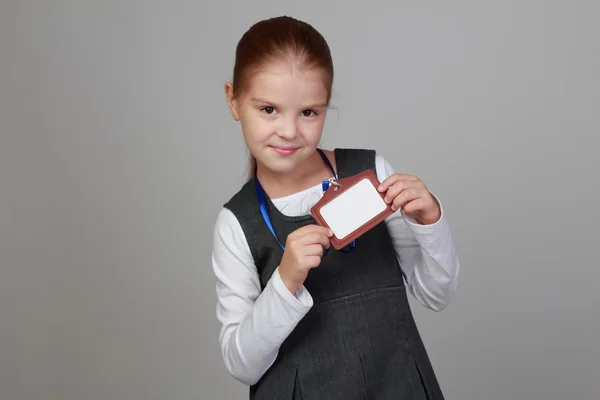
275 39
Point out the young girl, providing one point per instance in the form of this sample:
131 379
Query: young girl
301 320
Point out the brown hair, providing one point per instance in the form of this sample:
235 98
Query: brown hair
280 38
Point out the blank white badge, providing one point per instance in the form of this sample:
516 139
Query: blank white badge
353 208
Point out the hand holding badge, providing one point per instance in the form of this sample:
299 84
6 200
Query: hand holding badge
351 207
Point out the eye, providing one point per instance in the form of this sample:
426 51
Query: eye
268 110
308 113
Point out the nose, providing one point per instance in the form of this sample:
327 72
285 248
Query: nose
288 129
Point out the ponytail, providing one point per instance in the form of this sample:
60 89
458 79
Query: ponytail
251 166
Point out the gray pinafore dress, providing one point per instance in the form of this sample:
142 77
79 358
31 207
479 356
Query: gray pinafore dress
359 340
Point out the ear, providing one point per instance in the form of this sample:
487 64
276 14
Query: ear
232 101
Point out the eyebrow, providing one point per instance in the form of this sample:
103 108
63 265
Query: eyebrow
259 100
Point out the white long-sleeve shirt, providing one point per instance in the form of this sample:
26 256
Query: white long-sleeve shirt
254 324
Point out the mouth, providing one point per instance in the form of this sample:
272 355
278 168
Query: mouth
284 151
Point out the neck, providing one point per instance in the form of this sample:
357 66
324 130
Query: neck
310 173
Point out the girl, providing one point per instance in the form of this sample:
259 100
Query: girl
300 322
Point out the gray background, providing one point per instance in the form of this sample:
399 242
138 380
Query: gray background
117 151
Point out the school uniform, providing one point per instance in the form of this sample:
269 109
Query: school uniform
348 333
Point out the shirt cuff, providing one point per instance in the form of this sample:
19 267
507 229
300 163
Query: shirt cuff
301 301
431 236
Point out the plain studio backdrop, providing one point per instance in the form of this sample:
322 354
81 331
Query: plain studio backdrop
117 150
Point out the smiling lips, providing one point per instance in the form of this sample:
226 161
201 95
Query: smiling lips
284 151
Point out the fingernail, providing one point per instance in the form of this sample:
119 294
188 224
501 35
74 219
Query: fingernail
380 188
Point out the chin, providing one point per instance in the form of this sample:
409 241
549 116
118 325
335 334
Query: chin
279 167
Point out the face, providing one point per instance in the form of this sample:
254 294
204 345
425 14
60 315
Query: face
282 112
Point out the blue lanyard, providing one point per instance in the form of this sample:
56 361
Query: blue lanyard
263 204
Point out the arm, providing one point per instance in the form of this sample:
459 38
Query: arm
253 324
426 253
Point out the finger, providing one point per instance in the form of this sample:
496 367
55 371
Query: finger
398 188
390 180
414 206
313 228
318 230
313 261
309 229
405 197
327 232
314 250
324 242
316 238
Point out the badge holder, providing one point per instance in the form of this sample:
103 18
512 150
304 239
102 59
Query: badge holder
350 207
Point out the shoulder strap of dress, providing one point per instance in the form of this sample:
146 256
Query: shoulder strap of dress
354 161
